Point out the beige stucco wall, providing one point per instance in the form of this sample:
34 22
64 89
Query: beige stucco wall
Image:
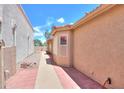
99 47
55 45
24 47
61 54
9 59
1 12
50 46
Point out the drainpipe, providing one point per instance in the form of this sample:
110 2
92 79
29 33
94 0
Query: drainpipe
107 81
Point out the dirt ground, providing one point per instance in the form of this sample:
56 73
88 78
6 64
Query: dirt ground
32 61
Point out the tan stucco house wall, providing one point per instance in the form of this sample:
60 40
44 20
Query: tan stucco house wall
50 45
62 53
97 45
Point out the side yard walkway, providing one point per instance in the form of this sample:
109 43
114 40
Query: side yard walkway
55 77
25 78
81 79
49 76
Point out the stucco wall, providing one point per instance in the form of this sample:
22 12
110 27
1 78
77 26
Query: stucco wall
2 83
38 48
9 59
55 45
99 47
24 47
50 46
61 54
1 7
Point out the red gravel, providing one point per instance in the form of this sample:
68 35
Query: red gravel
72 78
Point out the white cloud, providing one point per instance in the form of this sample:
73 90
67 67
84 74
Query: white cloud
37 28
40 29
38 34
61 20
43 40
71 23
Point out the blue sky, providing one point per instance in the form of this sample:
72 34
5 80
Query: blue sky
44 16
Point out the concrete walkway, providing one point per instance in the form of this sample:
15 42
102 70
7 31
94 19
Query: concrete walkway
55 77
46 77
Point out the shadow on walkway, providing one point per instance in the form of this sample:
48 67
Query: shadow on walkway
79 78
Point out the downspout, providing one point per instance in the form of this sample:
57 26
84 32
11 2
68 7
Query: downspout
107 81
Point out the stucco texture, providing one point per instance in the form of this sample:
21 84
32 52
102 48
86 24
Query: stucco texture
98 47
9 59
62 54
23 32
50 46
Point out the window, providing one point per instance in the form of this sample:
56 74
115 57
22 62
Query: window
63 40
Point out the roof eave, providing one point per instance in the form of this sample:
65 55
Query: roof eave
22 11
92 15
61 29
